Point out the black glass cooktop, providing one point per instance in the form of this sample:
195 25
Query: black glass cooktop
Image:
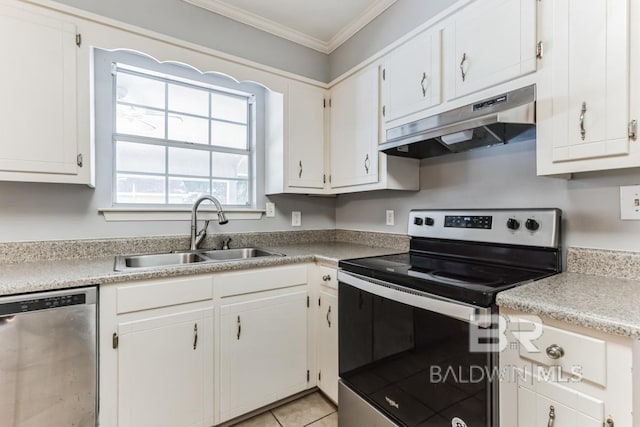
474 282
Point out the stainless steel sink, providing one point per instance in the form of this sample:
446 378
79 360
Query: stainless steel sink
128 262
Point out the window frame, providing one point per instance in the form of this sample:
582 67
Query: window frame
193 83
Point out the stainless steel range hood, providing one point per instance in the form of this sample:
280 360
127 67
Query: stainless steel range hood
496 120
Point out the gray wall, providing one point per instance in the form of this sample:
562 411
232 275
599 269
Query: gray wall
185 21
504 177
398 20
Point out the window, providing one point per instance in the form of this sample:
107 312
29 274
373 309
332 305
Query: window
176 139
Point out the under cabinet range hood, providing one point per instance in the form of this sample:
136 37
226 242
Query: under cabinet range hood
495 120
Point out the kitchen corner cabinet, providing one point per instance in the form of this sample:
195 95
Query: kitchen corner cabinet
571 376
411 80
327 332
296 157
585 125
156 353
38 115
489 42
263 333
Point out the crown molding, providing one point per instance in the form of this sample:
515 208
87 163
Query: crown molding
267 25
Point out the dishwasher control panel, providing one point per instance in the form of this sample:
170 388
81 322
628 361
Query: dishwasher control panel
45 303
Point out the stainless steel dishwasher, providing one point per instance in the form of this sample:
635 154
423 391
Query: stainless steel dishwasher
48 370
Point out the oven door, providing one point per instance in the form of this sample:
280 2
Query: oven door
408 355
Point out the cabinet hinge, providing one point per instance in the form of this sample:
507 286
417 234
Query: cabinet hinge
384 111
633 130
78 39
539 50
79 160
308 376
384 74
115 340
329 102
319 375
324 178
319 302
307 300
324 103
329 178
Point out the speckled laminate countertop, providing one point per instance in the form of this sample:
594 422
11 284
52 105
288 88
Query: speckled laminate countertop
609 304
67 273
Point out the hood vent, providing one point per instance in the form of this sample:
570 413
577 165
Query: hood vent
492 121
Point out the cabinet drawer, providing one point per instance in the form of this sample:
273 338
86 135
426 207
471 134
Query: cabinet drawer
248 281
585 354
328 277
163 293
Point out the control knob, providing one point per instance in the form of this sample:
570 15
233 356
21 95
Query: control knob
513 224
532 224
428 221
418 221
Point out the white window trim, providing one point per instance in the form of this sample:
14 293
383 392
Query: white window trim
175 214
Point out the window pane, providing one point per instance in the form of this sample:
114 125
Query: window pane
185 191
230 108
228 135
188 129
140 157
139 189
183 161
188 100
140 90
139 121
231 192
230 165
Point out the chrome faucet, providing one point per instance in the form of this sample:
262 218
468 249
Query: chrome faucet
198 236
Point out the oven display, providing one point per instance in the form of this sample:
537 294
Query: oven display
483 222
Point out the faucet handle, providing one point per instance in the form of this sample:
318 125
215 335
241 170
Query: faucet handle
204 229
225 243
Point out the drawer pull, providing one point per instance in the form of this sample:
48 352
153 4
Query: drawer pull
239 328
552 416
328 318
326 277
554 351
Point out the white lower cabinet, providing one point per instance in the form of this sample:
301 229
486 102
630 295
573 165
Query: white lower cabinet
156 353
263 351
562 375
327 333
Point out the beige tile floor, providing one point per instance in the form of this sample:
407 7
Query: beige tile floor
313 410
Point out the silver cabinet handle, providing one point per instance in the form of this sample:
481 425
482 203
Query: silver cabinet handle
583 132
300 169
328 318
424 89
462 73
366 164
554 351
552 416
239 327
195 336
326 277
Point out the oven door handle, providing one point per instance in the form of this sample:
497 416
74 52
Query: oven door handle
480 316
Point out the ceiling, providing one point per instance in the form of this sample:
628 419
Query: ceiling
322 25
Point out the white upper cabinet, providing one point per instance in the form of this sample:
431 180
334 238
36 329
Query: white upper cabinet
306 136
589 87
38 85
411 76
490 42
354 129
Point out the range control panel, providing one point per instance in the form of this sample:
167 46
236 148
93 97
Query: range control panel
531 227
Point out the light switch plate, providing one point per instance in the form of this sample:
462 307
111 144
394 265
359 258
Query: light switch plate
630 202
296 219
271 209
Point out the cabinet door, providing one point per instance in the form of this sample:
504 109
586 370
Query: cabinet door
354 129
38 86
165 370
411 76
306 136
590 81
263 352
328 345
495 41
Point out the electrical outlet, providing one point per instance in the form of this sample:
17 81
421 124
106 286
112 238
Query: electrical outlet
271 209
390 217
630 202
296 219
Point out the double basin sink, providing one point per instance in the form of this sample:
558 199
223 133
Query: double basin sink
129 262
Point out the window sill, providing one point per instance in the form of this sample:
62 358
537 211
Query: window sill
175 214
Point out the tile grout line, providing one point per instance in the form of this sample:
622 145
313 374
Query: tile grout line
321 418
276 418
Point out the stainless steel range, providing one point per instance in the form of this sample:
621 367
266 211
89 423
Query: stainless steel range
418 332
